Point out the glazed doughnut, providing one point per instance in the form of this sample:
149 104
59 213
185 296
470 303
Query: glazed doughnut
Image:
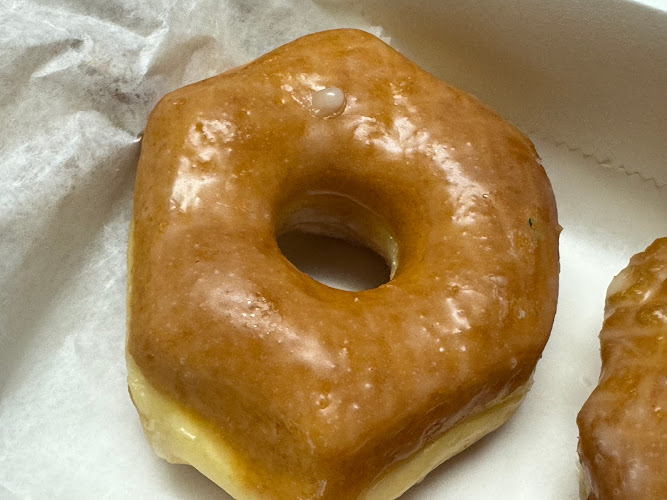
623 424
277 386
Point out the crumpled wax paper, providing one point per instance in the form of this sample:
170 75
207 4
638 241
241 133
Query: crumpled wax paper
77 81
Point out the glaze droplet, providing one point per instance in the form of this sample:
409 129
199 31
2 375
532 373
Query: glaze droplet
328 101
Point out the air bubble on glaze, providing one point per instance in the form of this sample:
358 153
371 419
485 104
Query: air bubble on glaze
322 401
328 102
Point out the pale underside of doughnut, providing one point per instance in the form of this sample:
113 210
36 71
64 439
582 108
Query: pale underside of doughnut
623 424
325 391
182 437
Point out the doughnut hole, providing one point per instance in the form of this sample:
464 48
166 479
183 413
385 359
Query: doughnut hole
337 241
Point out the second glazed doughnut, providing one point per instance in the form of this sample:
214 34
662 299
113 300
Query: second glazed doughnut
623 424
277 386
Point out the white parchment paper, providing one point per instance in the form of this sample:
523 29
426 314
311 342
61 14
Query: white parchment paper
77 81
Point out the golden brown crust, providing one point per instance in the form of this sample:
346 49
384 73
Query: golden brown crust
325 389
623 425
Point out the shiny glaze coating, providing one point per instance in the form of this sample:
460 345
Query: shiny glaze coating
322 389
623 425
